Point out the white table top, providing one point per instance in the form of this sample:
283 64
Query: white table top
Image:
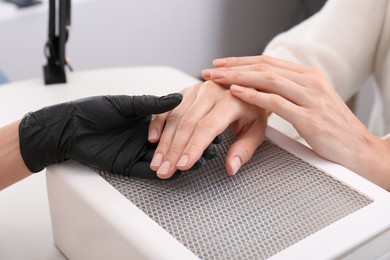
25 221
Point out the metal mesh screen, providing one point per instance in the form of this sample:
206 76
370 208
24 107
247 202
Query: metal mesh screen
274 201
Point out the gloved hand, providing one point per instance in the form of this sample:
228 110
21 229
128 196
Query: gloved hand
107 133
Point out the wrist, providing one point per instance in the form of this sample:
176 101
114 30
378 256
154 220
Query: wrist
41 134
372 161
12 166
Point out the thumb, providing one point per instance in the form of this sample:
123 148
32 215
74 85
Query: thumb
242 150
146 104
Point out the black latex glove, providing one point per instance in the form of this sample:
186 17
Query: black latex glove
210 153
108 133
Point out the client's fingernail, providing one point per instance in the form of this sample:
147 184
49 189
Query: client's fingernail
183 160
237 89
218 74
236 164
153 134
219 62
157 160
164 168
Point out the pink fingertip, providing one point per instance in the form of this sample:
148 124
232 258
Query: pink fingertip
153 135
235 164
219 62
157 160
237 89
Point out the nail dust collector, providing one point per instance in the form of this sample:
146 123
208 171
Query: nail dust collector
287 203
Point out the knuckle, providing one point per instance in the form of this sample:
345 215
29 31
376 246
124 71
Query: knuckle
186 123
195 149
247 151
270 76
252 94
208 127
264 59
316 82
261 67
277 102
163 145
173 116
173 153
236 75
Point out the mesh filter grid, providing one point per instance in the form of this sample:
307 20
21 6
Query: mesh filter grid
274 201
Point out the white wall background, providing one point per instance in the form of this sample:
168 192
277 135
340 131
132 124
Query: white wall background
182 34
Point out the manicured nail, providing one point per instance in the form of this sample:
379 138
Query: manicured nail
236 164
218 74
183 160
237 89
206 74
157 160
164 168
219 62
153 134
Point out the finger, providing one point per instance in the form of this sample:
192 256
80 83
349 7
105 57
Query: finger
142 170
267 82
205 132
303 79
145 105
157 122
261 59
169 124
271 102
242 150
200 107
299 78
236 61
156 126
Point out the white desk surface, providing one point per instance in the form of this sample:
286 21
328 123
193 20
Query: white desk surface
25 220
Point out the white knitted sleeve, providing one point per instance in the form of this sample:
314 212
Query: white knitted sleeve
341 39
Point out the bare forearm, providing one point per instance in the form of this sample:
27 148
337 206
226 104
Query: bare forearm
12 167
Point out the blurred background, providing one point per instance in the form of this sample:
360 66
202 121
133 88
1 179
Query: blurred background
186 35
182 34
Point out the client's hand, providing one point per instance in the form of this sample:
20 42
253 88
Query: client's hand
206 111
104 132
303 96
